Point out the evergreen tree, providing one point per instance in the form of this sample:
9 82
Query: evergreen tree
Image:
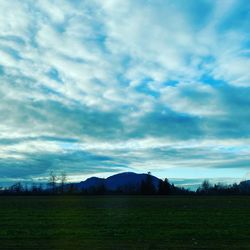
164 188
147 186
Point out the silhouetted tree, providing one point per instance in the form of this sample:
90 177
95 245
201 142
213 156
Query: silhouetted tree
86 191
101 189
119 190
235 189
218 189
63 179
52 181
26 189
164 188
147 186
34 188
95 190
40 188
130 188
72 188
16 188
205 186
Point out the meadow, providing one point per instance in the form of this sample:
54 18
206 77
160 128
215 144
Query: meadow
125 222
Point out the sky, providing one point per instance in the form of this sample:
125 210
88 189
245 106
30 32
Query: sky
94 88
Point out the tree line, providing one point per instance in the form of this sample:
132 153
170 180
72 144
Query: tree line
57 185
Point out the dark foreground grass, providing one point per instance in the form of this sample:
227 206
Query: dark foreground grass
124 222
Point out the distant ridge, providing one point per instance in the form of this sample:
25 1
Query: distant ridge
90 182
244 186
116 181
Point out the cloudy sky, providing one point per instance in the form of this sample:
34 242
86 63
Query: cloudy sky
99 87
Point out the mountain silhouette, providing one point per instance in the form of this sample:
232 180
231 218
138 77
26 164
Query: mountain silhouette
90 182
116 181
244 186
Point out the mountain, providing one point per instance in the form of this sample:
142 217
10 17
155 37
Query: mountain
90 182
244 186
122 181
127 178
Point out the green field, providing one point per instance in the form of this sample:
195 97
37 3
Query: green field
125 222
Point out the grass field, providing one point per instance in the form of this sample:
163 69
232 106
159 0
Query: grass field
125 222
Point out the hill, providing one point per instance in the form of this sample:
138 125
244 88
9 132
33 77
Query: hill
118 181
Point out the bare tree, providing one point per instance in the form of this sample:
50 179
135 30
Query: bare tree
40 188
16 188
52 181
63 179
26 189
34 188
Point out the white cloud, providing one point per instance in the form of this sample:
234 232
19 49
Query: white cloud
193 99
122 60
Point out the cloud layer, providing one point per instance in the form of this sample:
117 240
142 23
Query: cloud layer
93 87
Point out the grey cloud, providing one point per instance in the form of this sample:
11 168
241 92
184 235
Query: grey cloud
72 162
168 124
235 102
55 118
